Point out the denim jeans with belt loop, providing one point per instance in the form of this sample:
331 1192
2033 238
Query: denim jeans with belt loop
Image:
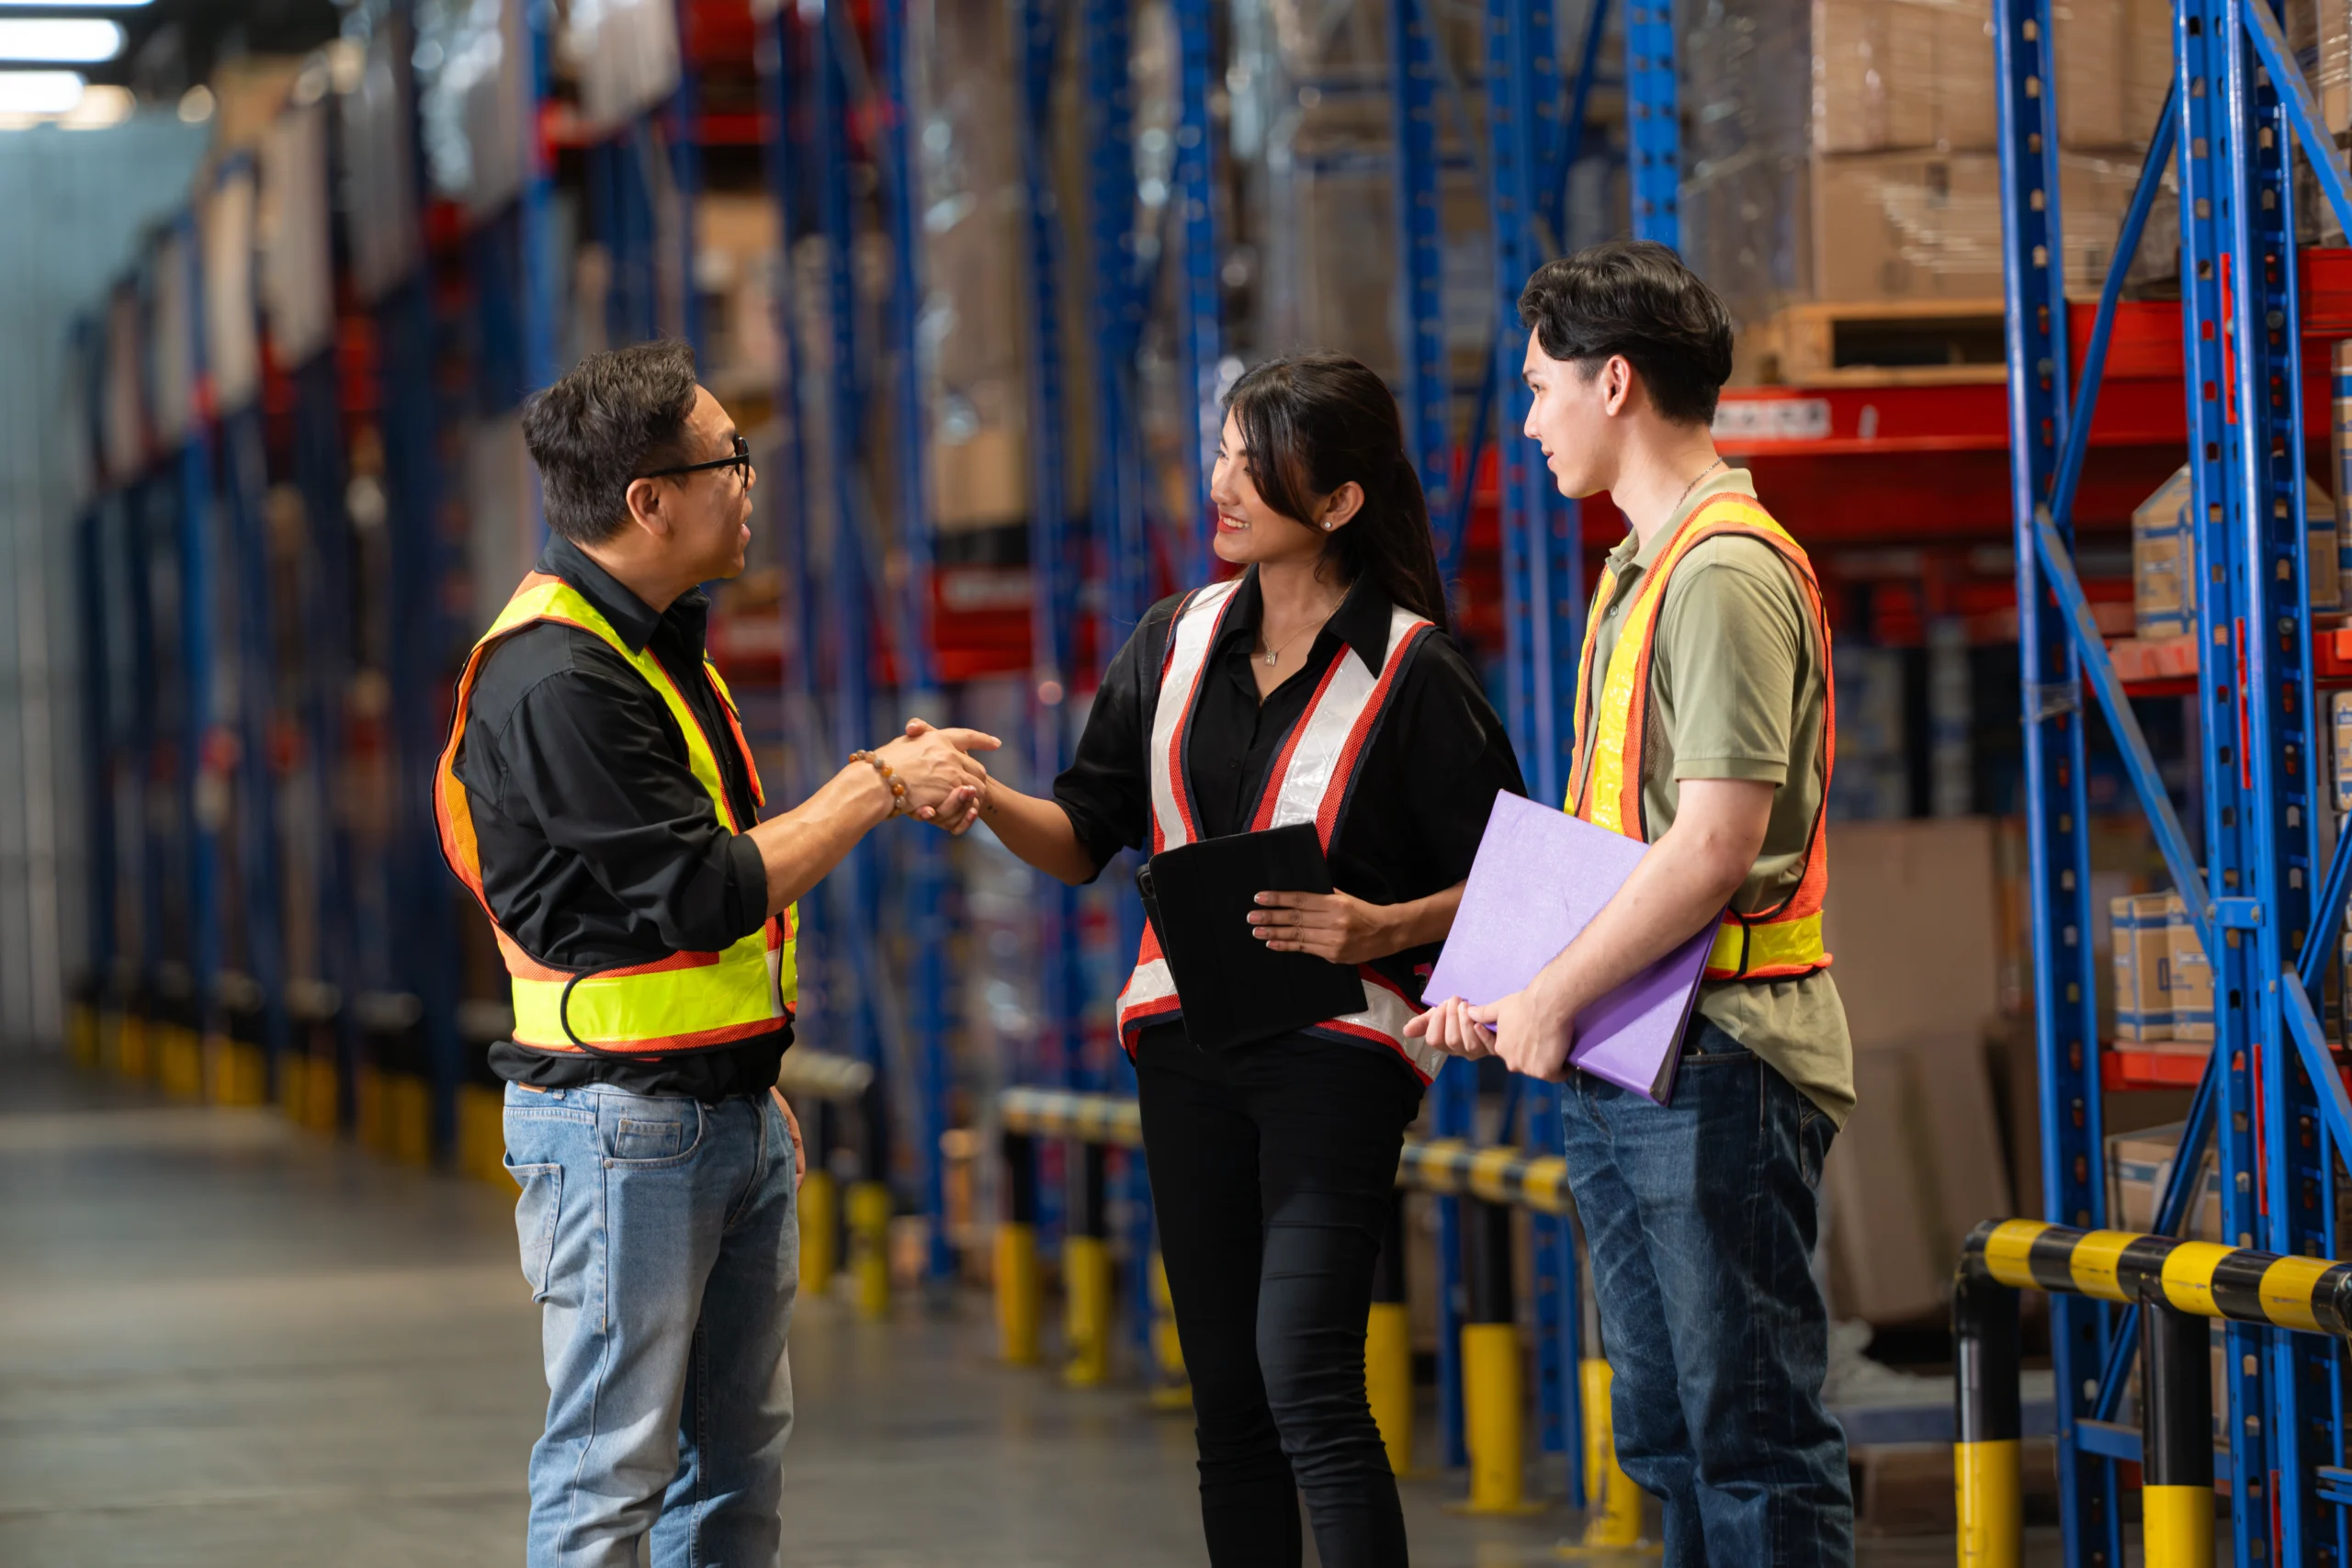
1701 1217
660 1237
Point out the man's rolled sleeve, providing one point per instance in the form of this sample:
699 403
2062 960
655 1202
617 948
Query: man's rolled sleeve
1731 634
589 766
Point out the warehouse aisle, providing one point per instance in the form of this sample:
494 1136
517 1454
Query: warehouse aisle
226 1342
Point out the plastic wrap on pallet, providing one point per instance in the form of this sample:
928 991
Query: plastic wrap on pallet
975 240
379 176
626 52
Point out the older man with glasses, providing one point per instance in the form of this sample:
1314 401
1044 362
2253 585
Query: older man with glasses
599 799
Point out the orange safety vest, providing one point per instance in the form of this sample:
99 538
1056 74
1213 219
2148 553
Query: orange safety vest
687 1001
1312 780
1770 944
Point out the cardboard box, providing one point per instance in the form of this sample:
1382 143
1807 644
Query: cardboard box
2340 442
1890 75
2143 966
1917 1167
1913 924
2138 1166
1916 225
2163 571
2187 979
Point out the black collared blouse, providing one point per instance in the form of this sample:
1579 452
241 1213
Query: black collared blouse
1426 784
598 844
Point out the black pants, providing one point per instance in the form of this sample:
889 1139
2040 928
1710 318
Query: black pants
1272 1170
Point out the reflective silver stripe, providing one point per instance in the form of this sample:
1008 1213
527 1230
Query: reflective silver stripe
1149 983
1386 1015
1323 733
1188 652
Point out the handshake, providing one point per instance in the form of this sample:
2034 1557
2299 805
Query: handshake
945 784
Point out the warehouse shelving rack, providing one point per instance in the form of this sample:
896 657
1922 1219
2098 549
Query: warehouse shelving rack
837 97
2272 1097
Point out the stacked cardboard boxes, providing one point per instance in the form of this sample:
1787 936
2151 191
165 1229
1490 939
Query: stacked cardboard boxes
2164 565
1884 183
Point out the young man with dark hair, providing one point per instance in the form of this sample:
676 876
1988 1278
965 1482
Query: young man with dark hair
1704 726
598 798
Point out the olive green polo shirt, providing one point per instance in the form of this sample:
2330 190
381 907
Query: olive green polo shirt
1737 692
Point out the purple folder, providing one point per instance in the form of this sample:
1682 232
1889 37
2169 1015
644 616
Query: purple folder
1540 877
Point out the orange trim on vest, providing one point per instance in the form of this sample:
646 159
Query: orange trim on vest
1798 913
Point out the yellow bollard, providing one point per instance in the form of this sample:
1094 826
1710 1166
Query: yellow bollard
869 1245
1388 1379
131 1046
1613 1503
84 1035
820 1231
322 1089
481 1134
1493 1420
114 1026
293 1086
180 1064
1086 1285
1985 1492
1174 1390
409 1107
1020 1294
235 1072
2176 1527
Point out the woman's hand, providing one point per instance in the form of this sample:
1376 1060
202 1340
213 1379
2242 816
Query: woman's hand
1334 926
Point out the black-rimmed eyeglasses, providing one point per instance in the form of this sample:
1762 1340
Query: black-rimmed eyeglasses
738 460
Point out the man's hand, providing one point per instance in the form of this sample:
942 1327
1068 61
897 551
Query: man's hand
1532 1033
1335 926
1528 1029
799 1150
943 780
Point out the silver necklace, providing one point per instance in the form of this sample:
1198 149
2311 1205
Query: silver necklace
1274 653
1701 474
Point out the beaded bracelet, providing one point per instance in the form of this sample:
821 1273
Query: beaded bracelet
898 804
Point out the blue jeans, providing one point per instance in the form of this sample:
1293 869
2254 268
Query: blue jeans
661 1239
1701 1219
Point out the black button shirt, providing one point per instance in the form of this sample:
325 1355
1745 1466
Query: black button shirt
1424 788
599 847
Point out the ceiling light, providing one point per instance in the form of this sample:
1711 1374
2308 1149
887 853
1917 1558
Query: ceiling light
39 91
67 40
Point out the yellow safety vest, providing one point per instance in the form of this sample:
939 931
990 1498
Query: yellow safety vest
1776 943
684 1001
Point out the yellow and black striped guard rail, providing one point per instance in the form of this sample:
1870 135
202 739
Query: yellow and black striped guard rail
2176 1284
1448 1166
2202 1278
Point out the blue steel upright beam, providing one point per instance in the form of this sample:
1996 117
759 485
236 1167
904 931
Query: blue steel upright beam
1118 511
1054 565
2271 610
1198 337
2211 129
198 594
926 851
1653 100
2058 851
852 962
1420 265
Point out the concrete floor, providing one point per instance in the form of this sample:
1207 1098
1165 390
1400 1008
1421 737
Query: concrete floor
224 1342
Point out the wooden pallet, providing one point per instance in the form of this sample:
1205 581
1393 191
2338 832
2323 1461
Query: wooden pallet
1934 343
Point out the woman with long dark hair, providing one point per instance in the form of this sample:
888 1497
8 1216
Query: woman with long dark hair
1319 685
